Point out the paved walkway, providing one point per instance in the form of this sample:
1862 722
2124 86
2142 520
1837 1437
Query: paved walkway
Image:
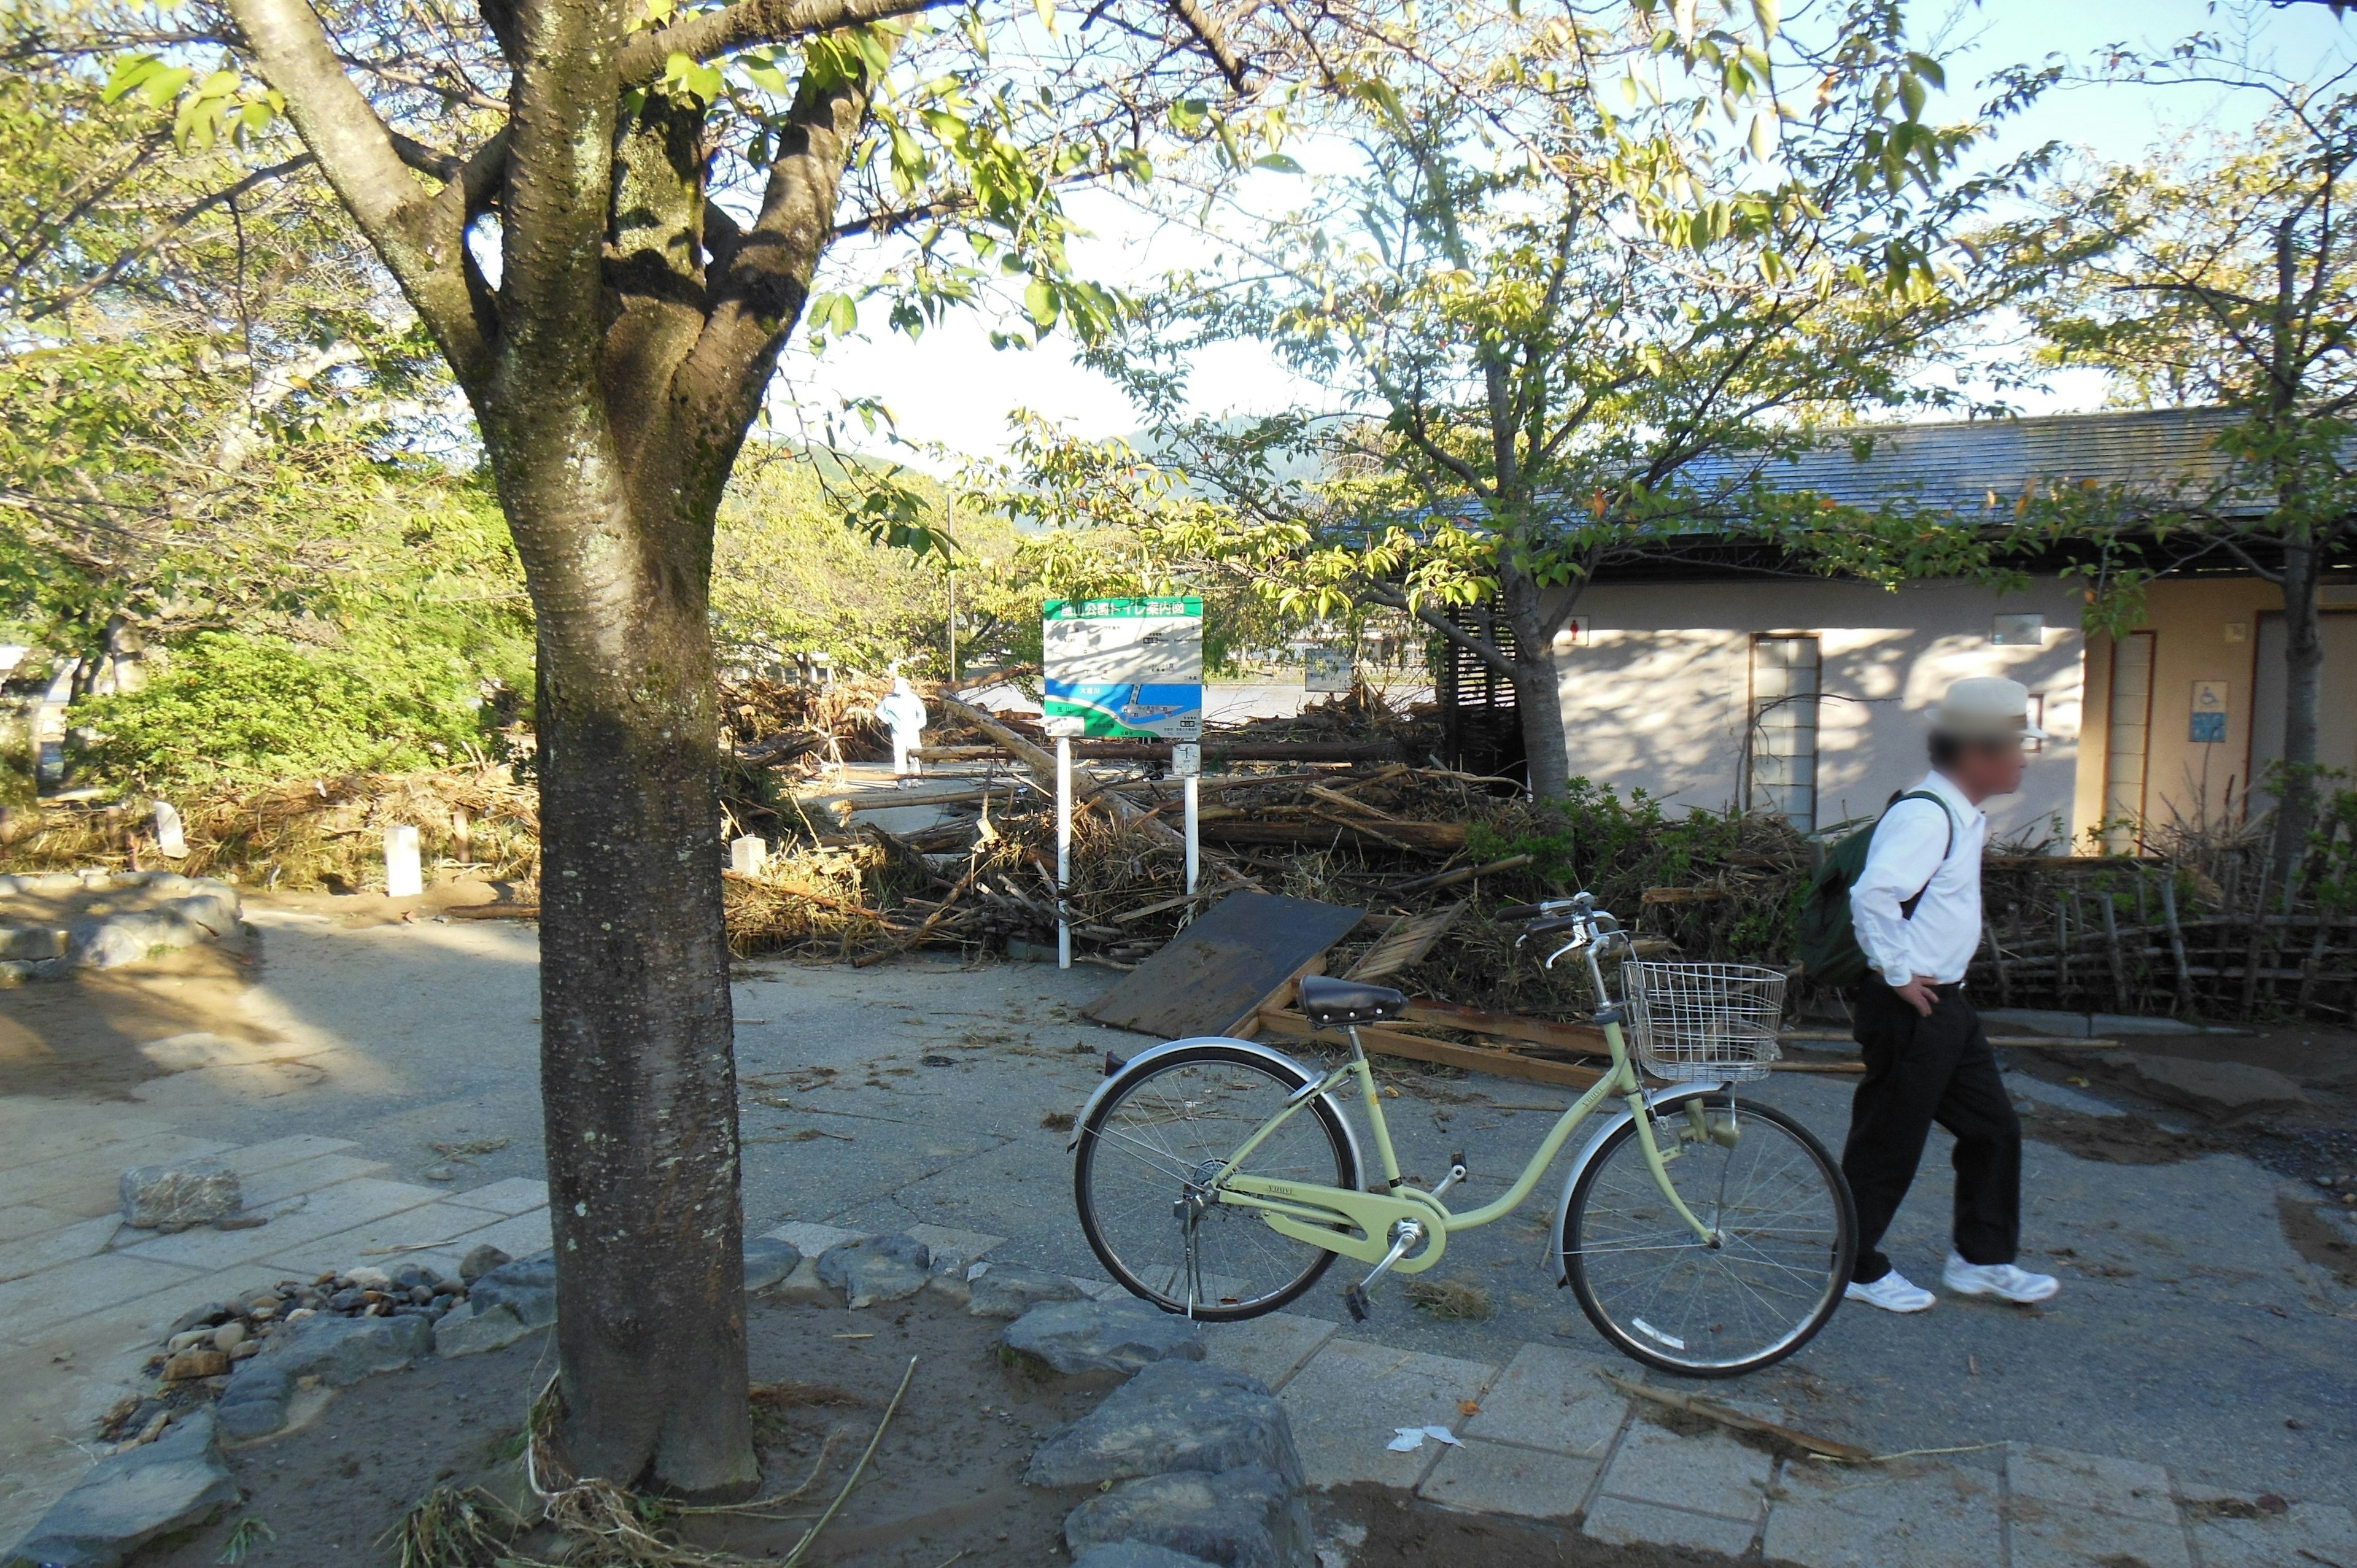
2194 1369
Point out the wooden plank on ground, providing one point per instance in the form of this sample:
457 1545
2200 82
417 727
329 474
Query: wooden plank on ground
1221 968
1410 938
1507 1026
1382 1039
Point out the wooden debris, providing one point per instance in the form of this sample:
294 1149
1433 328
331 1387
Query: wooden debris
1711 1410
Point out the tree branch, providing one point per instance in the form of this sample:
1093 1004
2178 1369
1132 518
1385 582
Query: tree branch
714 33
1207 33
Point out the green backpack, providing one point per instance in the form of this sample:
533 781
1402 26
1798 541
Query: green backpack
1826 942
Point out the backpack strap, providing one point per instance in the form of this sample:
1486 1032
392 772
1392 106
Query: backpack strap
1907 906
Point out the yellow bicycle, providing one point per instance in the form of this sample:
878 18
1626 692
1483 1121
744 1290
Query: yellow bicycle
1219 1179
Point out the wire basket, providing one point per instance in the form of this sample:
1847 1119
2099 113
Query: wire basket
1713 1021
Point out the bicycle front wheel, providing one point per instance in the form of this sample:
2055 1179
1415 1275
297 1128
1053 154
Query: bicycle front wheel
1784 1238
1148 1152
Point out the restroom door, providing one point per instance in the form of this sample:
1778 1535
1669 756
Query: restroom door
2127 757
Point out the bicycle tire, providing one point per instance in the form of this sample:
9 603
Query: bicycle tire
1153 1279
1685 1341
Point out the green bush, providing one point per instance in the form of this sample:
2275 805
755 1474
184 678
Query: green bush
228 708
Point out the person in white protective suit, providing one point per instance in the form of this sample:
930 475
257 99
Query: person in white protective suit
903 713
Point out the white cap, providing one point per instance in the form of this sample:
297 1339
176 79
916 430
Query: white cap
1986 707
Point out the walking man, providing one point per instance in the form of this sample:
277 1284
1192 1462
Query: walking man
1916 907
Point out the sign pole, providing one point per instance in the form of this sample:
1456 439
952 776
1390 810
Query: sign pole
1063 851
1187 761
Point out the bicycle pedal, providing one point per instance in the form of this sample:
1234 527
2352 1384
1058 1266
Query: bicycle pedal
1355 1298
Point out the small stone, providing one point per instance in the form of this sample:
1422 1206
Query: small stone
439 1173
480 1261
1008 1290
350 1300
179 1342
411 1276
299 1314
877 1267
125 1500
261 1313
1116 1337
370 1279
193 1363
228 1335
202 1316
263 1303
246 1350
1246 1518
196 1194
525 1286
768 1260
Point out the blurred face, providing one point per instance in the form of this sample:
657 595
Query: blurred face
1986 767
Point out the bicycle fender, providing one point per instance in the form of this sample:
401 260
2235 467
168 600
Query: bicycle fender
1674 1094
1275 1059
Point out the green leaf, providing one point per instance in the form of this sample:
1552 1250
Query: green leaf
1278 162
1912 96
1040 300
1763 134
1768 14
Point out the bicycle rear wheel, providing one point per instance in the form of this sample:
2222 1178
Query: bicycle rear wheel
1785 1238
1149 1147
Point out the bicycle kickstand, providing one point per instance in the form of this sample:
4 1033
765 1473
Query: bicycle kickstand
1405 1234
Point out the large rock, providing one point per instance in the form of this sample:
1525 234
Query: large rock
180 1195
129 1499
1239 1519
1076 1338
1008 1290
768 1260
334 1352
1174 1415
1137 1555
110 941
31 941
877 1267
526 1287
2224 1092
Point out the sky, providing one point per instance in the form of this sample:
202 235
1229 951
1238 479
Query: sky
952 392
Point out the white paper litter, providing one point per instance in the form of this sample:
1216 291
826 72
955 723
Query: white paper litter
1411 1438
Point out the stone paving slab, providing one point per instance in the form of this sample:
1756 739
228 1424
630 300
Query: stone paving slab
1828 1515
2300 1534
513 1196
397 1238
255 1158
519 1236
958 1246
1496 1477
1549 1397
1624 1522
2120 1486
64 1130
25 1220
343 1206
77 1239
1708 1472
89 1181
270 1187
2044 1535
1353 1395
1271 1348
812 1238
53 1295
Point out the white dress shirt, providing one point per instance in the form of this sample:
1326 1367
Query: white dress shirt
1906 857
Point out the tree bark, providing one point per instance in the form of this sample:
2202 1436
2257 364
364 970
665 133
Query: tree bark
2303 679
1537 696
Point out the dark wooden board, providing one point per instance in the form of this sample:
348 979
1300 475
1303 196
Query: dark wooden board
1220 968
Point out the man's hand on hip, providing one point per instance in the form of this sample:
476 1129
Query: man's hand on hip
1919 993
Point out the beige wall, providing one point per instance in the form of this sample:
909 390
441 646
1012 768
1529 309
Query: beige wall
2204 628
1657 695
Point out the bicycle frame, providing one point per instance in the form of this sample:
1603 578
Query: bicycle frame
1309 1212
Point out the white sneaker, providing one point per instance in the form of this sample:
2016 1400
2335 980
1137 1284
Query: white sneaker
1894 1292
2001 1279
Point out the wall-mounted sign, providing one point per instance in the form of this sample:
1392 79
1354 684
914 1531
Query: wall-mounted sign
1124 668
2209 723
1328 670
2018 631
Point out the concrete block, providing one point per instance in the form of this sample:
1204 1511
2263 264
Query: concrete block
1708 1472
405 876
1492 1478
2123 1487
1830 1516
53 1295
1353 1395
1271 1348
1625 1523
1549 1397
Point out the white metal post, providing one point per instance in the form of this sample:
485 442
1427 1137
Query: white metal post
1194 838
1063 849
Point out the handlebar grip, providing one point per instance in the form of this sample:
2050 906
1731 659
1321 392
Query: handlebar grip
1520 912
1540 928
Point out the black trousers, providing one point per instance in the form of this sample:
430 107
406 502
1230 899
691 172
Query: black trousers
1920 1070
